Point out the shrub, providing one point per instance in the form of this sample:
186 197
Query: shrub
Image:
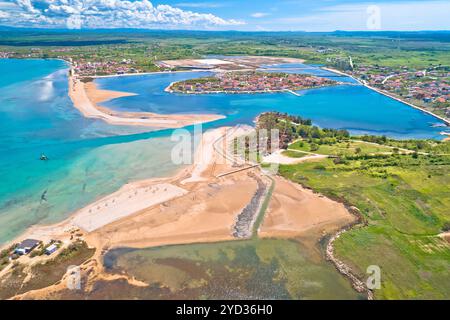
320 167
446 226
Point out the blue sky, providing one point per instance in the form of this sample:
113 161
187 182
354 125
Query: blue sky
254 15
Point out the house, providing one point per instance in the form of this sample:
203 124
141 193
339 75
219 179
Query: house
51 249
26 246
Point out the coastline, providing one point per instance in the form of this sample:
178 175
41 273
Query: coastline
145 73
85 98
139 195
190 186
198 204
387 94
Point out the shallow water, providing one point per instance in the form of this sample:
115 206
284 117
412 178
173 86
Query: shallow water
253 269
89 158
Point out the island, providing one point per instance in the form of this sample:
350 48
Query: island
249 82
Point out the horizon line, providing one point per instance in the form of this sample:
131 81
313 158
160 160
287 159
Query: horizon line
3 28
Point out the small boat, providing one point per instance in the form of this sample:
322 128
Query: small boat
43 157
438 125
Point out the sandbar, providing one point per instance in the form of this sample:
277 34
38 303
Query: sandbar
86 97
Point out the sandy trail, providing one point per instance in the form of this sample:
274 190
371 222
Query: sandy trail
278 157
445 236
86 97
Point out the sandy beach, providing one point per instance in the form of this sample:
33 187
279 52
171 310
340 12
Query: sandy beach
86 97
201 203
198 204
168 207
296 211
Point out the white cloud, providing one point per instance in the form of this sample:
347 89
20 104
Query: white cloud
411 15
201 5
259 14
74 22
3 14
108 14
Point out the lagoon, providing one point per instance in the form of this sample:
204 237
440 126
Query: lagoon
89 158
352 107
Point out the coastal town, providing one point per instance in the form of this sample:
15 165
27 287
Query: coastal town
428 88
88 68
249 82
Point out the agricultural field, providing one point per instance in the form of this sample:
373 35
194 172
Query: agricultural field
144 48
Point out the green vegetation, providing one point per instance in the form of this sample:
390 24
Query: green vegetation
294 127
43 274
423 146
339 148
4 256
294 154
405 200
393 49
262 211
40 250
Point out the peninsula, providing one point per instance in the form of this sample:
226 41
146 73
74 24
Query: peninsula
249 82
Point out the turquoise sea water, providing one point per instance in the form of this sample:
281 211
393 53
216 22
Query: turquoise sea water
89 158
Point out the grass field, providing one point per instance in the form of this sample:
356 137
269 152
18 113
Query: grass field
340 148
406 203
294 154
392 49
